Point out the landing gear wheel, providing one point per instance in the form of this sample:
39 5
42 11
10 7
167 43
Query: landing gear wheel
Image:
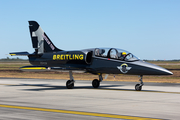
70 84
138 87
95 83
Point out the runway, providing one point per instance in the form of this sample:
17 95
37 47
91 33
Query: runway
49 99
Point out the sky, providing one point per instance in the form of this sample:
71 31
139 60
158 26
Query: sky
150 29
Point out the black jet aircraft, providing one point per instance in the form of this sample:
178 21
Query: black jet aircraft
96 60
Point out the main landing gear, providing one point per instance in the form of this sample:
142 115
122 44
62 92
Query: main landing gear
96 82
70 83
138 87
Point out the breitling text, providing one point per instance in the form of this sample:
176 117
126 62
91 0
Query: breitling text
68 57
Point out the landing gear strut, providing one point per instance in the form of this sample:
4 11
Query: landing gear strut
96 82
138 87
70 83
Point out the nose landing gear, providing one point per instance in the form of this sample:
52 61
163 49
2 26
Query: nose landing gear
138 87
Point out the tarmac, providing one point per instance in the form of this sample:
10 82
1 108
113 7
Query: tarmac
44 99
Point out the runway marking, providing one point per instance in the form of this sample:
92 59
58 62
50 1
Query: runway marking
78 112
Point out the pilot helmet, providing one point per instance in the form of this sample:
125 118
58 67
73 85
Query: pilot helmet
123 53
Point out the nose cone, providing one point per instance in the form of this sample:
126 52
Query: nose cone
158 70
162 71
151 69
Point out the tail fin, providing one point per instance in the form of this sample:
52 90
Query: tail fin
40 41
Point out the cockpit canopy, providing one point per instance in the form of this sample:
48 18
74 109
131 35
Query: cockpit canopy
114 53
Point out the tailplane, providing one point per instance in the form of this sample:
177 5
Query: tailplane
19 54
40 41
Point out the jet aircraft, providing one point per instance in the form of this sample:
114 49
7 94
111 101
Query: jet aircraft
97 61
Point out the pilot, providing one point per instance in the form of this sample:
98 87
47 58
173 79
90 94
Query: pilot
123 55
97 52
101 52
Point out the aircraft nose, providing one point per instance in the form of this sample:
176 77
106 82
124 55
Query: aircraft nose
166 72
151 69
159 70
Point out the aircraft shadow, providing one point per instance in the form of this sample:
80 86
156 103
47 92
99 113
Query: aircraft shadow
53 87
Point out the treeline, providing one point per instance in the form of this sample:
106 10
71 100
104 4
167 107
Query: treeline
12 59
162 60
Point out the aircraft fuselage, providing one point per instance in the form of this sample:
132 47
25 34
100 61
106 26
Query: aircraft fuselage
88 61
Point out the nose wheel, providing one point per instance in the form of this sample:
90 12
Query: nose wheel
138 87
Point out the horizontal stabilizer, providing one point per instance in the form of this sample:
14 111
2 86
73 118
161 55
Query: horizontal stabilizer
19 54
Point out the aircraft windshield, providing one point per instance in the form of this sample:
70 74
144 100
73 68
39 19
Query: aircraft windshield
115 54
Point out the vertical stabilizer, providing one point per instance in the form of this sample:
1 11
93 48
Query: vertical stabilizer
40 41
